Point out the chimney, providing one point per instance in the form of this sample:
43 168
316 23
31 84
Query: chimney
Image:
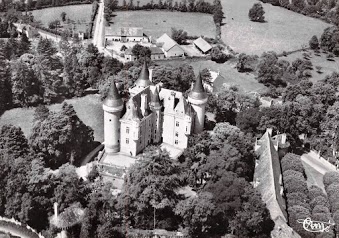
56 210
150 74
143 103
283 138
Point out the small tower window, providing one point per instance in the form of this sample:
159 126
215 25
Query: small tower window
127 141
177 123
176 134
176 142
127 130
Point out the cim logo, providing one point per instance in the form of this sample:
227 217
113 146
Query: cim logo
315 226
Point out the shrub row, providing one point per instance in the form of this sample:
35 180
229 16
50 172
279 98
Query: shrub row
296 192
331 183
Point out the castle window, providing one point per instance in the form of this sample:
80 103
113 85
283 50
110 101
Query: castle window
110 119
127 141
177 123
155 131
127 130
186 128
176 142
176 134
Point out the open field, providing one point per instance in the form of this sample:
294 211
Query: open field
246 82
327 66
156 23
284 30
88 108
76 13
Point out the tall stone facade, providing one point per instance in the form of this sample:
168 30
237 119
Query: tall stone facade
153 115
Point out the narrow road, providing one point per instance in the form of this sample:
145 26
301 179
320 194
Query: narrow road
99 30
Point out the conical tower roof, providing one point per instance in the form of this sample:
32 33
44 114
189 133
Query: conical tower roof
155 100
143 80
113 98
132 112
198 91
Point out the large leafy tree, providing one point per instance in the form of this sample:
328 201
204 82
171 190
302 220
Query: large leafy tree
26 87
13 141
5 82
256 13
149 195
61 137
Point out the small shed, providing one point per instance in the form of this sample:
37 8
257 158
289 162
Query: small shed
157 53
202 45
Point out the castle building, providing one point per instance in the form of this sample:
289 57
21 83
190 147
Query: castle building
153 115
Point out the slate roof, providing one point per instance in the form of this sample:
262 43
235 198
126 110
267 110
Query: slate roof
113 98
167 42
143 80
267 176
203 45
156 51
198 91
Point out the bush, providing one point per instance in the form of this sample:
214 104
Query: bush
320 209
294 173
319 201
295 213
329 178
294 185
291 162
247 63
314 43
256 13
297 198
333 188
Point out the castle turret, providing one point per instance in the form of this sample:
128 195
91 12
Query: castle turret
155 106
112 106
144 78
198 99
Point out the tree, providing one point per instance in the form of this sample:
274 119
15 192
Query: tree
247 63
291 162
314 43
63 16
330 177
197 214
141 51
13 141
248 120
180 36
24 45
149 190
61 137
25 86
256 13
218 55
5 84
269 72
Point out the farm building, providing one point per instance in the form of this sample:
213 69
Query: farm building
129 56
126 34
156 53
202 45
169 46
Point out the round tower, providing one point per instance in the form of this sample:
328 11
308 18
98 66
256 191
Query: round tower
198 99
112 107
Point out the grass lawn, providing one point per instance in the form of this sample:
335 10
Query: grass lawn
327 66
284 30
156 23
76 13
246 82
88 108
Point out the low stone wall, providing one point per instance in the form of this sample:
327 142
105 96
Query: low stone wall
17 228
